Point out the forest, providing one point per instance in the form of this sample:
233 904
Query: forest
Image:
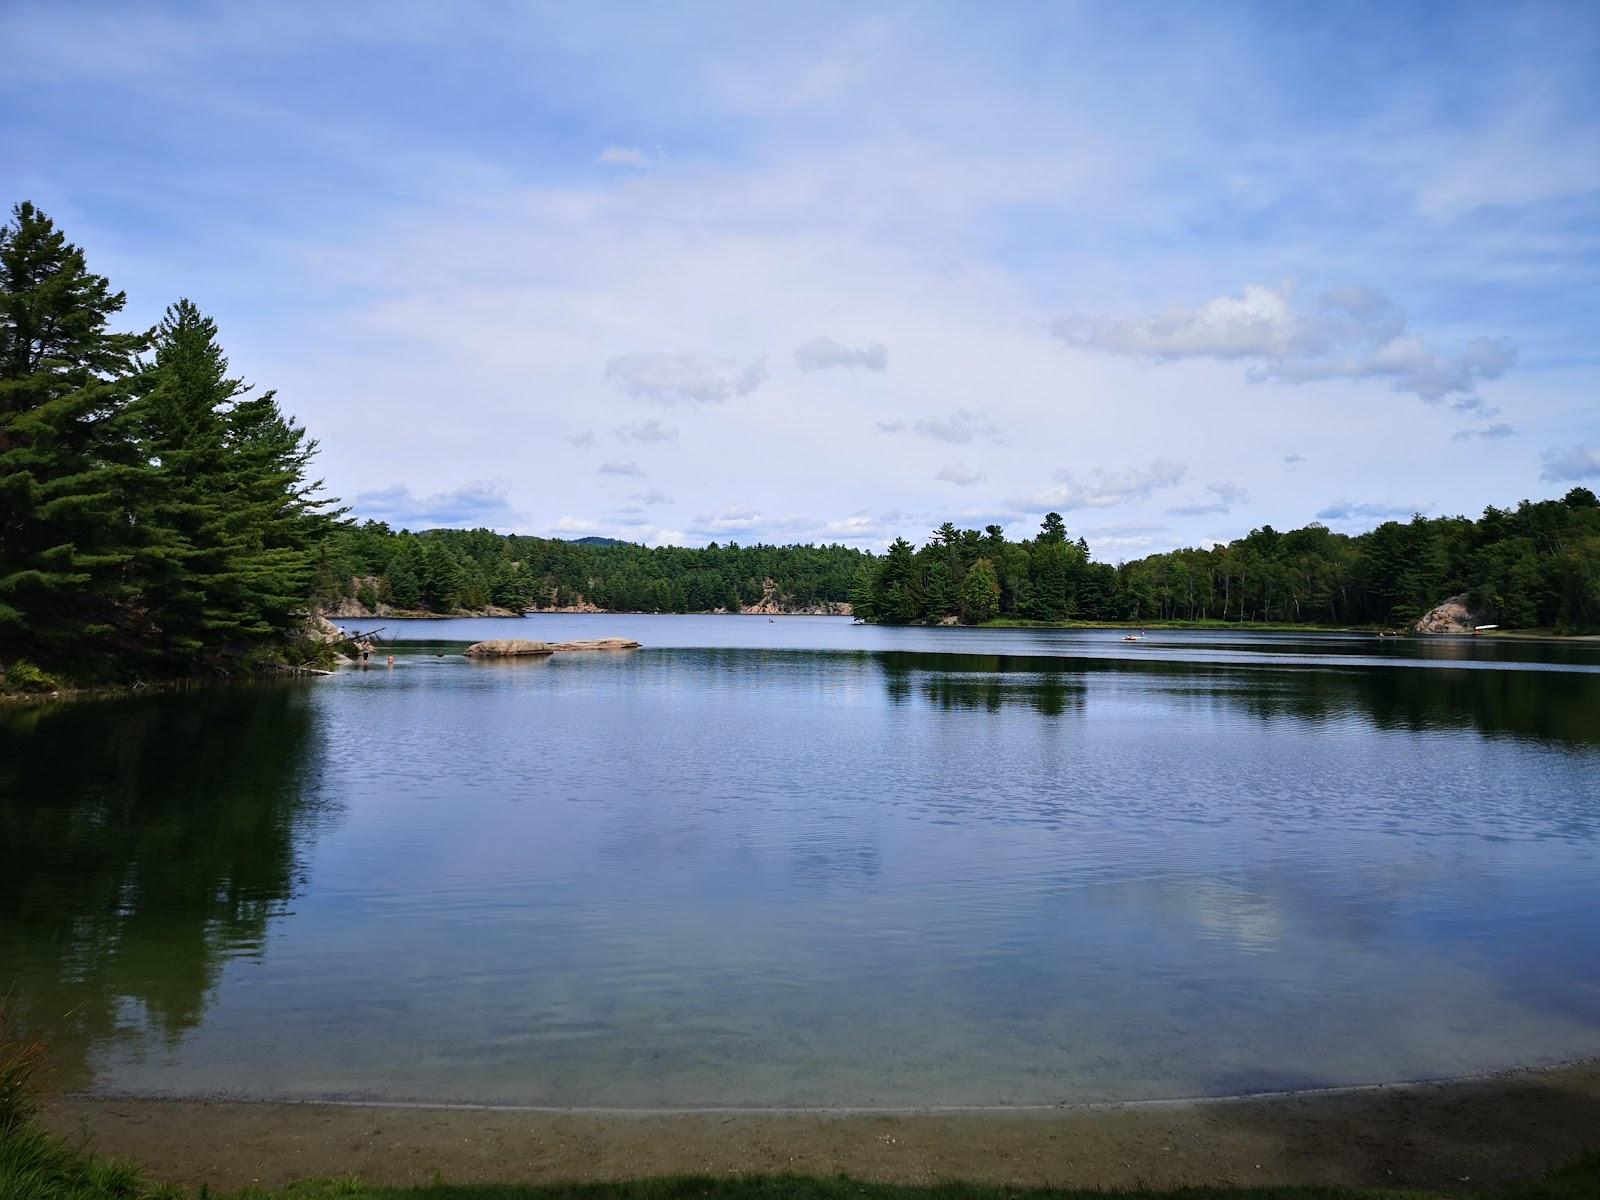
159 517
444 570
1533 566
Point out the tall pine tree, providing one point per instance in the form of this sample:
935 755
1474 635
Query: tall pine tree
183 498
66 461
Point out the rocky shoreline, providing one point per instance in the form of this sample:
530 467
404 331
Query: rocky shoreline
354 610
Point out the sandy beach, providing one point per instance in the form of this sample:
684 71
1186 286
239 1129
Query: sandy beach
1480 1130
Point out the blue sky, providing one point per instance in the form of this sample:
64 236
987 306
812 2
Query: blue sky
840 272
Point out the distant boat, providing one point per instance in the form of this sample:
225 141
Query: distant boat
1130 637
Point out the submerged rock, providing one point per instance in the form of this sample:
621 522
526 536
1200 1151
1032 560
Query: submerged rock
519 647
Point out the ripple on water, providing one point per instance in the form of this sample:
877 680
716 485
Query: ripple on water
886 868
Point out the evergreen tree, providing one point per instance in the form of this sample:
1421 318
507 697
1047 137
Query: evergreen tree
980 593
940 598
66 536
863 589
896 595
443 577
277 518
1049 578
512 587
190 586
403 576
1052 530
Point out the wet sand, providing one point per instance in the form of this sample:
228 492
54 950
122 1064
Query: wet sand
1482 1130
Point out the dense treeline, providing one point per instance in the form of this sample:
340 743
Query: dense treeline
155 515
1534 566
158 516
444 570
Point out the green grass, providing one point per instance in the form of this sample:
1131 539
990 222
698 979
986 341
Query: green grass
36 1166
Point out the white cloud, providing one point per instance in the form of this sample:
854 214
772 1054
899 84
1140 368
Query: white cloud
671 378
1118 547
1293 460
582 441
749 524
623 524
729 520
652 497
1520 156
857 528
891 426
449 269
1227 495
1488 433
624 156
1105 489
470 506
960 427
1120 529
821 353
959 474
620 468
1563 463
1346 333
649 432
1345 510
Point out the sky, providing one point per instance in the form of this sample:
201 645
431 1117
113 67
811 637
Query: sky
810 272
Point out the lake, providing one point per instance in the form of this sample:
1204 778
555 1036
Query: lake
807 863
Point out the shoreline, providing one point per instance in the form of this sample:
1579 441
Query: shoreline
1203 625
1490 1128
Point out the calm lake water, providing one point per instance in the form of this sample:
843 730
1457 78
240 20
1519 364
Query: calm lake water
803 862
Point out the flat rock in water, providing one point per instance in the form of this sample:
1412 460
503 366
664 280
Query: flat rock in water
518 647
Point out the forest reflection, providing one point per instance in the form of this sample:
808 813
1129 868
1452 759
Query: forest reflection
148 841
1561 707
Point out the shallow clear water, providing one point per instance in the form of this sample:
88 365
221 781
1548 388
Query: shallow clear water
803 862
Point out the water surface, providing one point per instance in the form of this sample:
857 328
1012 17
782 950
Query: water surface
802 862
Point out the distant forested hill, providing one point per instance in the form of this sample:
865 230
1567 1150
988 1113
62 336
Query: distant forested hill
443 570
1533 566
